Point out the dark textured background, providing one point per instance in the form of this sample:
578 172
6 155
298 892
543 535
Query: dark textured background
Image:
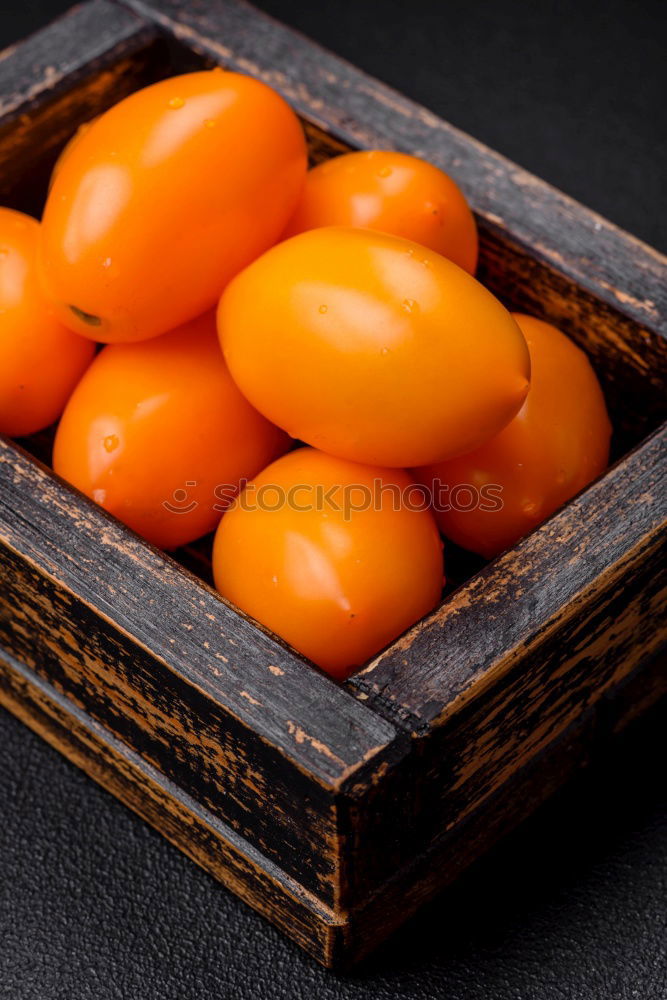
95 906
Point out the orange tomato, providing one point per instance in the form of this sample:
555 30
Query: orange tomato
158 434
336 558
394 192
164 198
557 444
40 359
68 147
372 348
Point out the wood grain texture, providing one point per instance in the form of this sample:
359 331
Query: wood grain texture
629 358
526 596
336 939
42 67
63 76
516 656
213 845
257 735
431 869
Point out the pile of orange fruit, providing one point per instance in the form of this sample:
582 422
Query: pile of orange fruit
300 360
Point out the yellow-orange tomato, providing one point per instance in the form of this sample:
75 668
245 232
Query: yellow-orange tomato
372 348
68 147
336 558
40 359
158 434
557 444
394 192
164 198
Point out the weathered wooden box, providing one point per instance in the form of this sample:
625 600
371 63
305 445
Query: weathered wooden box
335 811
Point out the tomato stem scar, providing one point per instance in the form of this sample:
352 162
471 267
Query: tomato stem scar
86 317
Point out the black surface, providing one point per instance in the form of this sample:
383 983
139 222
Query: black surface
93 904
96 906
573 90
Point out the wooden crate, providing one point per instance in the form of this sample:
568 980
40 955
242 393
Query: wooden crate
336 810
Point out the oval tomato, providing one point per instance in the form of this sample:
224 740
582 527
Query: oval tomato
40 359
164 198
557 444
158 434
335 557
395 193
68 147
372 348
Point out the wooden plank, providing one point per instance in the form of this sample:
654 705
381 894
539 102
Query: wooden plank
336 940
516 656
43 65
517 603
448 855
213 845
240 722
629 358
60 77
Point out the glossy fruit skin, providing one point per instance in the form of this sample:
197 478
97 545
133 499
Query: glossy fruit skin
164 198
68 147
394 192
372 348
158 423
337 588
40 360
554 447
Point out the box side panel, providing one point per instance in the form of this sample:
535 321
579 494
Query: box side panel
428 872
468 643
213 845
516 657
224 710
